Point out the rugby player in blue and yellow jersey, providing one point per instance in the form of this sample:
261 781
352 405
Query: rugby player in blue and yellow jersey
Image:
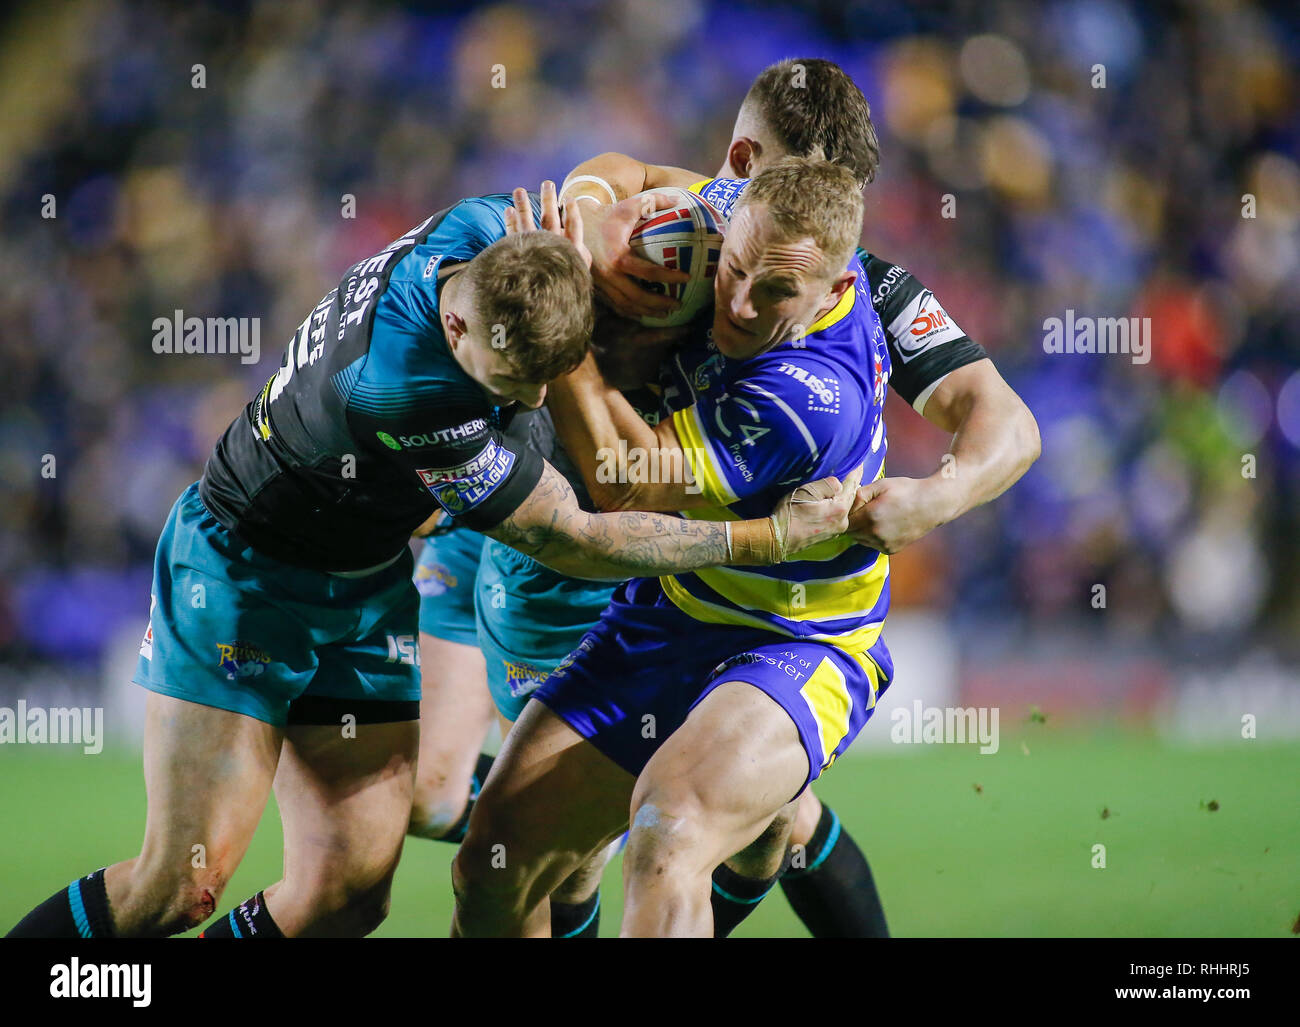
281 645
705 703
799 106
809 106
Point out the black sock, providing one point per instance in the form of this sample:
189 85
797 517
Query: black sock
833 892
251 920
734 897
576 919
78 911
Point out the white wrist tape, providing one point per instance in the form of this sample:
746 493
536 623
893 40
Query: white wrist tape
595 180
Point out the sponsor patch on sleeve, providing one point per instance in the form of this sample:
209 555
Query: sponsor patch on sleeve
923 325
465 486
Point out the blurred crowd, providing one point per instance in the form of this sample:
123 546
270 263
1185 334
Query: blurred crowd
1101 156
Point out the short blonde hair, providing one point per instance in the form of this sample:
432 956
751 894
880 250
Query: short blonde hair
533 291
807 197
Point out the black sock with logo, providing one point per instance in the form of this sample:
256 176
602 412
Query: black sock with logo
250 920
78 911
830 886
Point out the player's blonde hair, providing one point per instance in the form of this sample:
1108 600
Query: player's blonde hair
814 198
533 297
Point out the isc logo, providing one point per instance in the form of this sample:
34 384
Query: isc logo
402 649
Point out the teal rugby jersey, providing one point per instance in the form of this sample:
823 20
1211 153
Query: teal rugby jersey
370 423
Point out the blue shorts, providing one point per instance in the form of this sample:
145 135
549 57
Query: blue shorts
444 577
529 618
237 630
648 659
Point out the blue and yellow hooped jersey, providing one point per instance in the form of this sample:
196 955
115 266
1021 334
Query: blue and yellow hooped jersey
754 429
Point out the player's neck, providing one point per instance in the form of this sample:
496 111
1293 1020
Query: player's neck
822 312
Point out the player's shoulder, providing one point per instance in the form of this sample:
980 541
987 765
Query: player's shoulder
479 220
913 318
889 285
409 377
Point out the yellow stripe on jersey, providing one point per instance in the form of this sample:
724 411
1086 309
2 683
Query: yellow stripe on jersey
711 613
854 642
705 471
827 696
698 186
825 600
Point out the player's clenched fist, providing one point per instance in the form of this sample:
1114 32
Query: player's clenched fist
894 512
615 269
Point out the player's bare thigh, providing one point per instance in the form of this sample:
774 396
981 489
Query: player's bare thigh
551 801
582 883
208 774
345 802
456 712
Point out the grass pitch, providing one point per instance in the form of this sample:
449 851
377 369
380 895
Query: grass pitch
961 844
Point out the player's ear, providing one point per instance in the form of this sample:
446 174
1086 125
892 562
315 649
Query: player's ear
454 327
741 156
842 283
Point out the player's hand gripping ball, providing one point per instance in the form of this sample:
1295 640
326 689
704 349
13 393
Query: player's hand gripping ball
685 236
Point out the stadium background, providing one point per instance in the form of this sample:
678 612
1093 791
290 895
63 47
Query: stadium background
1121 725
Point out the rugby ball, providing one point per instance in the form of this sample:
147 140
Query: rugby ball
688 237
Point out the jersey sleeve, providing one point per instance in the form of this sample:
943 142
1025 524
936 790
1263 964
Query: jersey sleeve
482 219
777 428
925 343
486 487
721 193
475 473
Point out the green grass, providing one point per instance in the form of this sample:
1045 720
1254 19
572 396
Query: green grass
1012 858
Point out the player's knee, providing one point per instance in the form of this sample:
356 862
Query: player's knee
808 815
483 865
666 829
435 811
168 899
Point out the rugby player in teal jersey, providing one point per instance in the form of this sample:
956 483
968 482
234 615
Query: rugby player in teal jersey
281 648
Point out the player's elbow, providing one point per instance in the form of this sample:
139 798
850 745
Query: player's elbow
1029 442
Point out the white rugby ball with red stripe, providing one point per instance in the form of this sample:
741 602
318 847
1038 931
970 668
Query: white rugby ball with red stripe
688 237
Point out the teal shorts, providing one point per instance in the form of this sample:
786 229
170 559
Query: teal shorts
444 577
237 630
529 619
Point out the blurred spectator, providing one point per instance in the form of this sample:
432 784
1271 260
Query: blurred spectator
1104 156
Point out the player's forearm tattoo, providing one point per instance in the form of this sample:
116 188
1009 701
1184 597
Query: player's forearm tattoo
551 528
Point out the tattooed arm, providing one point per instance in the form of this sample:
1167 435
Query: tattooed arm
550 527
